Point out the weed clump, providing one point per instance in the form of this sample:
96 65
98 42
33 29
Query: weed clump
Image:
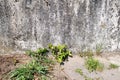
93 65
41 64
60 52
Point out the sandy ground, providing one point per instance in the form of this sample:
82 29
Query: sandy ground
9 62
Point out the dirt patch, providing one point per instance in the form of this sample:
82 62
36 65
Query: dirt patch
9 62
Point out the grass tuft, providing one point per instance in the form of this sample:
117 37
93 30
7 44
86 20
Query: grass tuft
113 66
93 64
79 71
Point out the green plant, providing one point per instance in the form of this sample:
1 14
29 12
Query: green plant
60 52
36 67
85 77
30 53
113 66
88 78
40 66
21 74
27 72
99 48
86 53
79 71
93 64
42 51
82 74
38 54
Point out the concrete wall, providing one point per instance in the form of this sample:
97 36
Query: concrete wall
81 24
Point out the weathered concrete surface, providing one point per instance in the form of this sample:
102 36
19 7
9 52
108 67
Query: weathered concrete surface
29 24
77 62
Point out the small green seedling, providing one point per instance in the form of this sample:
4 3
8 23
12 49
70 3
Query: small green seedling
79 71
82 74
88 78
113 66
93 64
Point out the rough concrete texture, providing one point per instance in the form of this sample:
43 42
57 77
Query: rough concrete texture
81 24
77 62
